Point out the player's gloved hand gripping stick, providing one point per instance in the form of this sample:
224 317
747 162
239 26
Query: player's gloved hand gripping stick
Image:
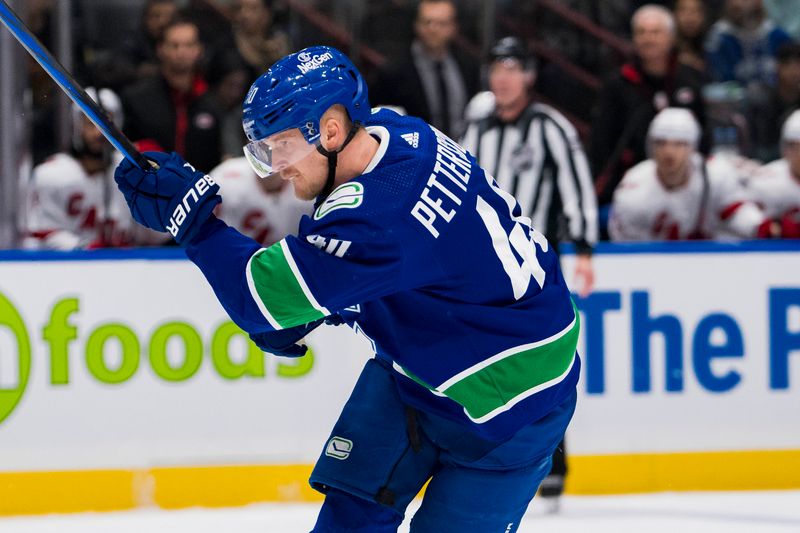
174 198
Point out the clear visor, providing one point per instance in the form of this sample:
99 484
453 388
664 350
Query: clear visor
277 152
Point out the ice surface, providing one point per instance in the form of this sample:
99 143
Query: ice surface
701 512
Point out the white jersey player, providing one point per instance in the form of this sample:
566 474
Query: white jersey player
265 210
70 200
776 187
677 194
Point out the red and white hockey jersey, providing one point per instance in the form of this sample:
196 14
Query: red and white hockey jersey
265 217
713 204
775 190
66 207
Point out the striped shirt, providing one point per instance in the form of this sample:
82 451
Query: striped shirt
539 159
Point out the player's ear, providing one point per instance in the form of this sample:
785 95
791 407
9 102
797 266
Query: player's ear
331 132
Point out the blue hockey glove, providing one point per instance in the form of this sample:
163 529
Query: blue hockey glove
175 198
288 342
285 342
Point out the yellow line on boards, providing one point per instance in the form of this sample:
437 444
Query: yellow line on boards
708 471
230 486
26 493
66 492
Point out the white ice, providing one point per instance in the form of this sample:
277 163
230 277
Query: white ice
701 512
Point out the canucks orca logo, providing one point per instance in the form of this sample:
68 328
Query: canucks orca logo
346 196
339 448
15 358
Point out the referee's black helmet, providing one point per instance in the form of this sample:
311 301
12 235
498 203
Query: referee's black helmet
512 48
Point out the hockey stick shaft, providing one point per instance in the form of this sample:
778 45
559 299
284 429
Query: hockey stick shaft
68 84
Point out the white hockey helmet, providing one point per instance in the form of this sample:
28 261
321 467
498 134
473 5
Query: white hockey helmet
480 106
674 124
109 102
791 128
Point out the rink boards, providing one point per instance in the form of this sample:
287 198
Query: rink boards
122 383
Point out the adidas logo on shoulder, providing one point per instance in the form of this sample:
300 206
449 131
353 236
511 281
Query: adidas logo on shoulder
411 138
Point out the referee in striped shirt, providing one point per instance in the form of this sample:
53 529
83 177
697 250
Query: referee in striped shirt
534 153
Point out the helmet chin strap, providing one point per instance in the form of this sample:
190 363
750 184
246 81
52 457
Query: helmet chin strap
333 158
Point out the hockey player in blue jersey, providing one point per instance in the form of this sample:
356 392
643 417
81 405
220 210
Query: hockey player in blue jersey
474 377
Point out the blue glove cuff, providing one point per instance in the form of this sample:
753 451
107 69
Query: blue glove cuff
189 209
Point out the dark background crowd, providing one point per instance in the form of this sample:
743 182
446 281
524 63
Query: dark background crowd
182 68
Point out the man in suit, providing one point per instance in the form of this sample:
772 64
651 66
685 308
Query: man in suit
434 82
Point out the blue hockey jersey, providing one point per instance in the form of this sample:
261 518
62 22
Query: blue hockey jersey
434 263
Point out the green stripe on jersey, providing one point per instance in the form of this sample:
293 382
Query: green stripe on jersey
280 290
497 384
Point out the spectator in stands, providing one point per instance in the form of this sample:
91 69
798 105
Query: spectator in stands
632 96
677 194
742 45
264 209
71 201
769 109
258 41
691 24
139 49
776 187
229 77
534 153
434 82
174 109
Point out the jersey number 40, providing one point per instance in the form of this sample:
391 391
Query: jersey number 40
517 240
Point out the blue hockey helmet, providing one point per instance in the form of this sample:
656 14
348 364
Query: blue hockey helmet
294 93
